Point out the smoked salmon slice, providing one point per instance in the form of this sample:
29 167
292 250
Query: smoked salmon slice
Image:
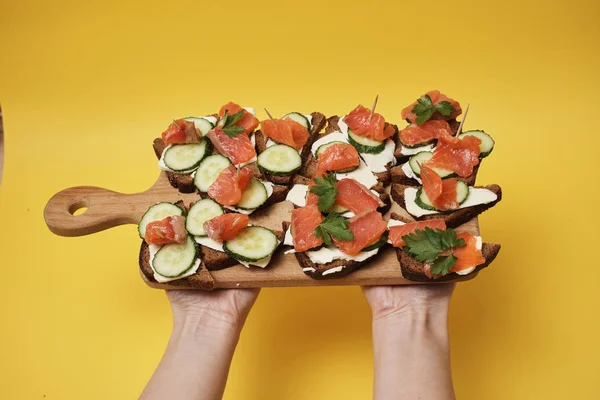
227 188
239 149
441 192
432 182
249 122
356 197
285 131
447 200
181 132
414 135
337 157
436 97
469 256
458 155
358 121
367 229
304 222
225 226
166 231
396 232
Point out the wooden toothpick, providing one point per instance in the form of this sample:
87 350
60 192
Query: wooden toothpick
373 108
269 114
462 121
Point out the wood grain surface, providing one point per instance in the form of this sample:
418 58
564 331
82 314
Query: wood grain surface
106 209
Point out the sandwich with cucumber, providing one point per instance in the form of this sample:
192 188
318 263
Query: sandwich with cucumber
432 115
372 138
187 141
326 241
450 199
168 253
227 239
430 251
451 157
234 188
283 144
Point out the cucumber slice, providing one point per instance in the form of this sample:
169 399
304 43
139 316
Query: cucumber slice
279 159
487 143
185 157
175 259
202 211
382 240
209 170
157 212
365 145
462 191
253 196
414 146
321 149
252 243
202 124
299 118
423 201
422 157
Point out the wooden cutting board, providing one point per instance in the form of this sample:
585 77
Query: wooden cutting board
106 209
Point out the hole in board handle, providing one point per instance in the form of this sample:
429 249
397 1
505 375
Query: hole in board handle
78 208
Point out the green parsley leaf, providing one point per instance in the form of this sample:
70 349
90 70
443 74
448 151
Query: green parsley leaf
425 108
444 107
235 118
228 123
427 244
333 225
233 130
326 188
443 264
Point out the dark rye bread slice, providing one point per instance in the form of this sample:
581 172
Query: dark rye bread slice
310 165
215 260
316 271
202 279
401 158
318 123
398 176
415 270
453 219
385 197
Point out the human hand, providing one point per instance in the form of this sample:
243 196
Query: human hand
206 329
410 335
388 301
222 307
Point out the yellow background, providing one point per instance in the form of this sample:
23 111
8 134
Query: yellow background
86 86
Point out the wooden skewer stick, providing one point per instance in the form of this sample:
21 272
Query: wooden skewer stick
373 108
462 121
269 114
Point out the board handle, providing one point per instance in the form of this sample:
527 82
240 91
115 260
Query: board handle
103 209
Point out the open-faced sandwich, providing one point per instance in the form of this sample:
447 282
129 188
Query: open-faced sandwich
372 153
337 229
428 250
283 144
168 252
182 246
432 115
